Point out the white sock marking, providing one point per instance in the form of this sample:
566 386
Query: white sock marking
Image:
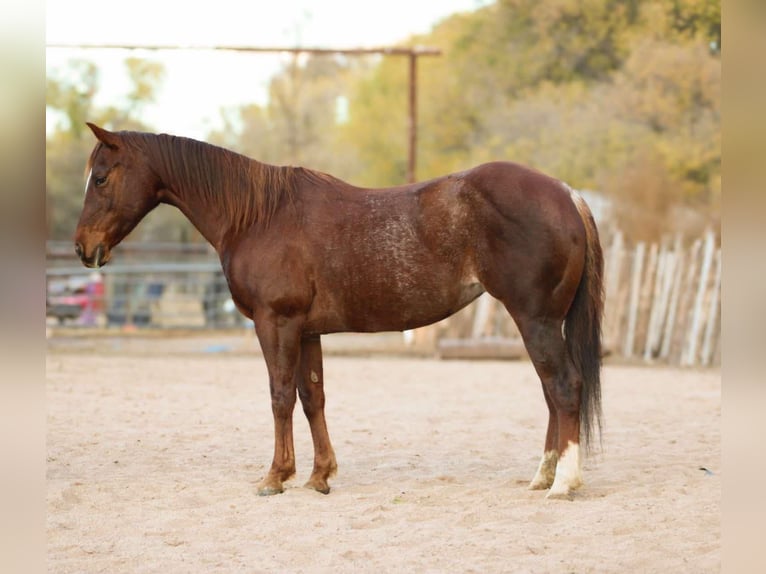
568 472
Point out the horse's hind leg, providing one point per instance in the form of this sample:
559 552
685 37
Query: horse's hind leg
310 382
546 470
545 345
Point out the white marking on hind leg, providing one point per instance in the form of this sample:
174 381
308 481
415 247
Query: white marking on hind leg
568 472
546 471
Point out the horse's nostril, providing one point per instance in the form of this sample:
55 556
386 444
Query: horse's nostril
78 250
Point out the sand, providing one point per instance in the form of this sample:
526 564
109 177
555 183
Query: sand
153 461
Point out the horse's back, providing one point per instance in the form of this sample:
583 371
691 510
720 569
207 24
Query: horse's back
515 184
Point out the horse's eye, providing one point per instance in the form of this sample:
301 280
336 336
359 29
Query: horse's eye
100 181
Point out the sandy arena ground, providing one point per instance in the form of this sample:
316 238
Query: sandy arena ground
153 460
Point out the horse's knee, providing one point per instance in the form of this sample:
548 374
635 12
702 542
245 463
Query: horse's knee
312 399
282 402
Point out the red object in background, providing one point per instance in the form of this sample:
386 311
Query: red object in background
95 290
84 303
94 299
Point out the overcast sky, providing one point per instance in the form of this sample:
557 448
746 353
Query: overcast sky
198 83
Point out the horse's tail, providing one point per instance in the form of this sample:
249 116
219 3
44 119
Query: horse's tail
582 328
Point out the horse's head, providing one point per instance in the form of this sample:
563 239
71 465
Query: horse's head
121 189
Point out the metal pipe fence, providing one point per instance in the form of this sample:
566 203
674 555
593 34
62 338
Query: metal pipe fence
154 294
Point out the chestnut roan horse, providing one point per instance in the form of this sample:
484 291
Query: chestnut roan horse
305 253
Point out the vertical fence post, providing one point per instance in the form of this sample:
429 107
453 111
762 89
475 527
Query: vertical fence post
689 357
712 318
659 302
612 290
483 316
635 292
675 280
646 299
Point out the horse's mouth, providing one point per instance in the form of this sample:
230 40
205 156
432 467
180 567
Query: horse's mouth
100 257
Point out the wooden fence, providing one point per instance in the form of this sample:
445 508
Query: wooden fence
662 304
663 301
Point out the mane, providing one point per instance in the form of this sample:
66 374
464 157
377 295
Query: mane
244 190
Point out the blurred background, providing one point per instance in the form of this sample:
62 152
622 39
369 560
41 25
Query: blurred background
620 99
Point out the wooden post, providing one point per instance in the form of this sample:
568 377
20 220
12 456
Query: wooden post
612 307
667 288
712 318
635 292
482 318
689 358
424 338
657 313
413 119
645 300
675 293
684 303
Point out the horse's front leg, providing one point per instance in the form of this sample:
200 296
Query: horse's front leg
280 341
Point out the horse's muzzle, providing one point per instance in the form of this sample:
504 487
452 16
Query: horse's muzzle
96 260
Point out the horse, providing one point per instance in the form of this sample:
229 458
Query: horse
306 254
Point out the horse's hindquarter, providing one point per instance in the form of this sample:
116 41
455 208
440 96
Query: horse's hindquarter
389 259
532 244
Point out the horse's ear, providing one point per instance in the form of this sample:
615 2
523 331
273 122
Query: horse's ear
107 138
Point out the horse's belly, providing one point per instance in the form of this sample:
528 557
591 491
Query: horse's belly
390 308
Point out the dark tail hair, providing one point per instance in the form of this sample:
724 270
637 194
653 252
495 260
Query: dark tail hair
582 329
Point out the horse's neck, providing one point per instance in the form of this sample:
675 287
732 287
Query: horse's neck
223 195
208 218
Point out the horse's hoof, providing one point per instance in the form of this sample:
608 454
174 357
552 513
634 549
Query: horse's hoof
559 494
319 486
539 484
270 490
